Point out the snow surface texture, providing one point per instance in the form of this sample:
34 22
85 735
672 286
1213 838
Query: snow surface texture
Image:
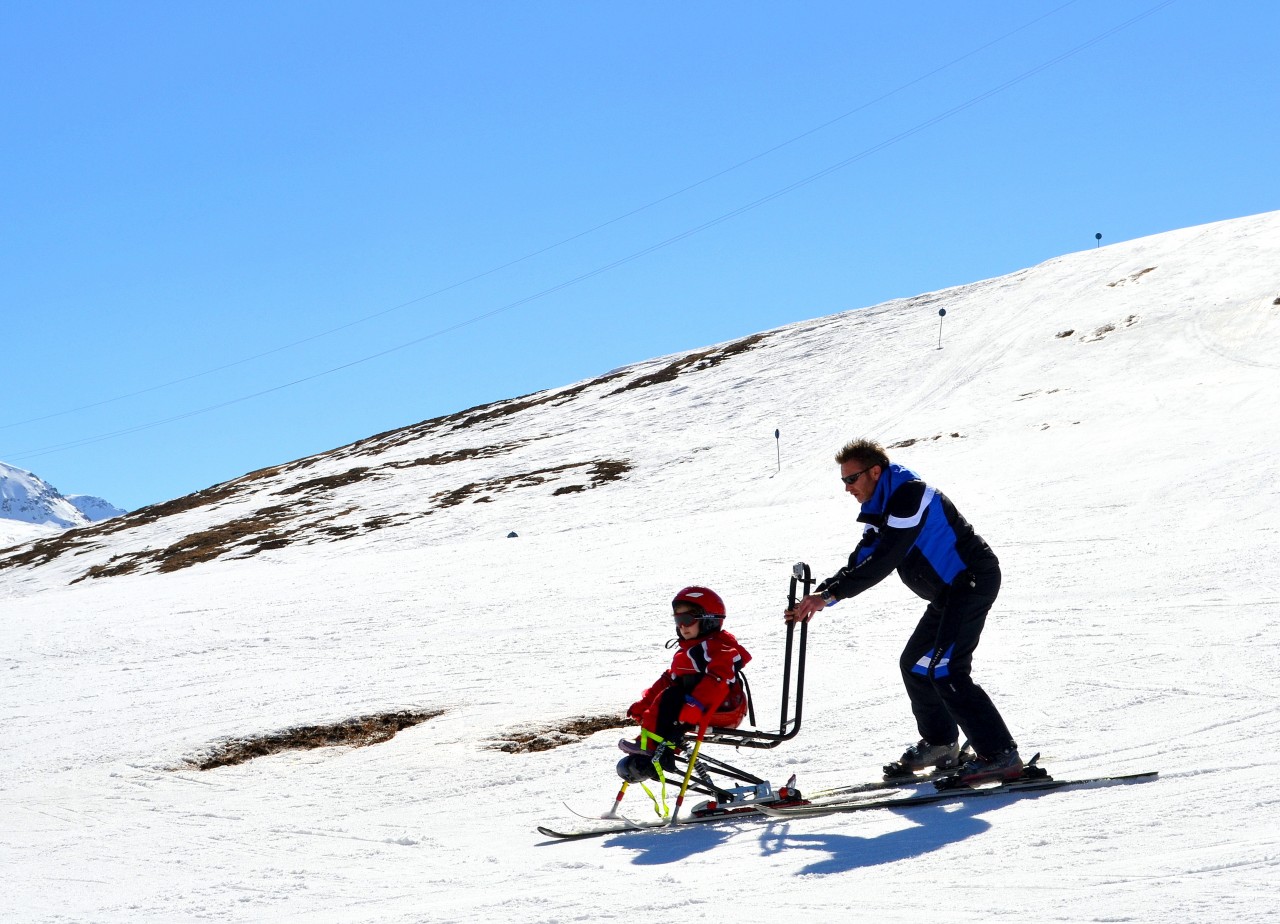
1124 472
13 532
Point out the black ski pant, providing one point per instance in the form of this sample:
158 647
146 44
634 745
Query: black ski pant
667 723
936 663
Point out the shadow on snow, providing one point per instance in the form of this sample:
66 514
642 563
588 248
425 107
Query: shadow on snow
934 828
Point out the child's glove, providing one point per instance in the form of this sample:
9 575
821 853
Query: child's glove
636 711
693 711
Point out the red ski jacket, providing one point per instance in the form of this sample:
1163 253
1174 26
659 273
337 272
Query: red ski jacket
716 660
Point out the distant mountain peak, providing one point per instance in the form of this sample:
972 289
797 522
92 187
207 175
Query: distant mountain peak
94 508
28 498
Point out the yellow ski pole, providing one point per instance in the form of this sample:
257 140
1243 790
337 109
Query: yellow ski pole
688 773
617 801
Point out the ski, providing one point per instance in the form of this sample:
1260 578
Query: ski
904 781
941 777
627 826
808 809
958 794
705 813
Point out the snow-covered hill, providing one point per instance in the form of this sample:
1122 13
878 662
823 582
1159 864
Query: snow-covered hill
1105 419
15 532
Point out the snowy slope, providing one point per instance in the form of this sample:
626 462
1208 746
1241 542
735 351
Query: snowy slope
1105 419
14 532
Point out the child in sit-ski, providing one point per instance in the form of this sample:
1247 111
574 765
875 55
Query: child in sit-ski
702 688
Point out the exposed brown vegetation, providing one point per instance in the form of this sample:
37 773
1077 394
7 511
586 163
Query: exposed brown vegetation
1105 329
601 472
903 444
469 417
277 526
499 409
459 455
694 362
357 732
43 551
269 527
202 546
1133 278
605 470
329 482
83 539
544 738
251 531
149 514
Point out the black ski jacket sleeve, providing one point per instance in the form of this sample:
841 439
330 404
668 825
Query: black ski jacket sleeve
887 539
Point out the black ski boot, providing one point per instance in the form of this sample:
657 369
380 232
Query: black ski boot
923 755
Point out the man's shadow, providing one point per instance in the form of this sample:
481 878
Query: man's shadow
935 827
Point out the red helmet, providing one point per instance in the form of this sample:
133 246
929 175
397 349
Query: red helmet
708 603
703 598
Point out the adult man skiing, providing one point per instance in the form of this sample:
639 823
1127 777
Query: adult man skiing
915 529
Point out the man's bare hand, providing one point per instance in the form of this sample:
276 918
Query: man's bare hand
806 608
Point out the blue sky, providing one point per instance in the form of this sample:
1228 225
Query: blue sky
236 234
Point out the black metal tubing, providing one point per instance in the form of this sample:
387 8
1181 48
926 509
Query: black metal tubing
788 727
709 765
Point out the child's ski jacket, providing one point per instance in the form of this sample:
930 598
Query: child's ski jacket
707 669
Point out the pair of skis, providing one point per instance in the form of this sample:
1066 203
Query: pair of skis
907 793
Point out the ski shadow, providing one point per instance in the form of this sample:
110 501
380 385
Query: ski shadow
934 827
676 844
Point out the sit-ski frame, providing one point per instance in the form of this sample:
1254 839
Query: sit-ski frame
698 768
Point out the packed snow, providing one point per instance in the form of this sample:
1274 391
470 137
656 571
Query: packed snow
1106 420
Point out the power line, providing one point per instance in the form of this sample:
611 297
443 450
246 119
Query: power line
690 232
542 250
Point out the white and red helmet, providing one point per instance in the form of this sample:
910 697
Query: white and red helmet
708 604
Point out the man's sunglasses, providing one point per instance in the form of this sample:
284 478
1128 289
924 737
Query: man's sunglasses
850 479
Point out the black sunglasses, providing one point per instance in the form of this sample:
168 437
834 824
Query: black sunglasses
850 479
686 619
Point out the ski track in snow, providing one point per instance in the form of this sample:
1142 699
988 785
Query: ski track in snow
1127 480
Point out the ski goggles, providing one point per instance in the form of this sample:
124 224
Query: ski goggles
687 619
